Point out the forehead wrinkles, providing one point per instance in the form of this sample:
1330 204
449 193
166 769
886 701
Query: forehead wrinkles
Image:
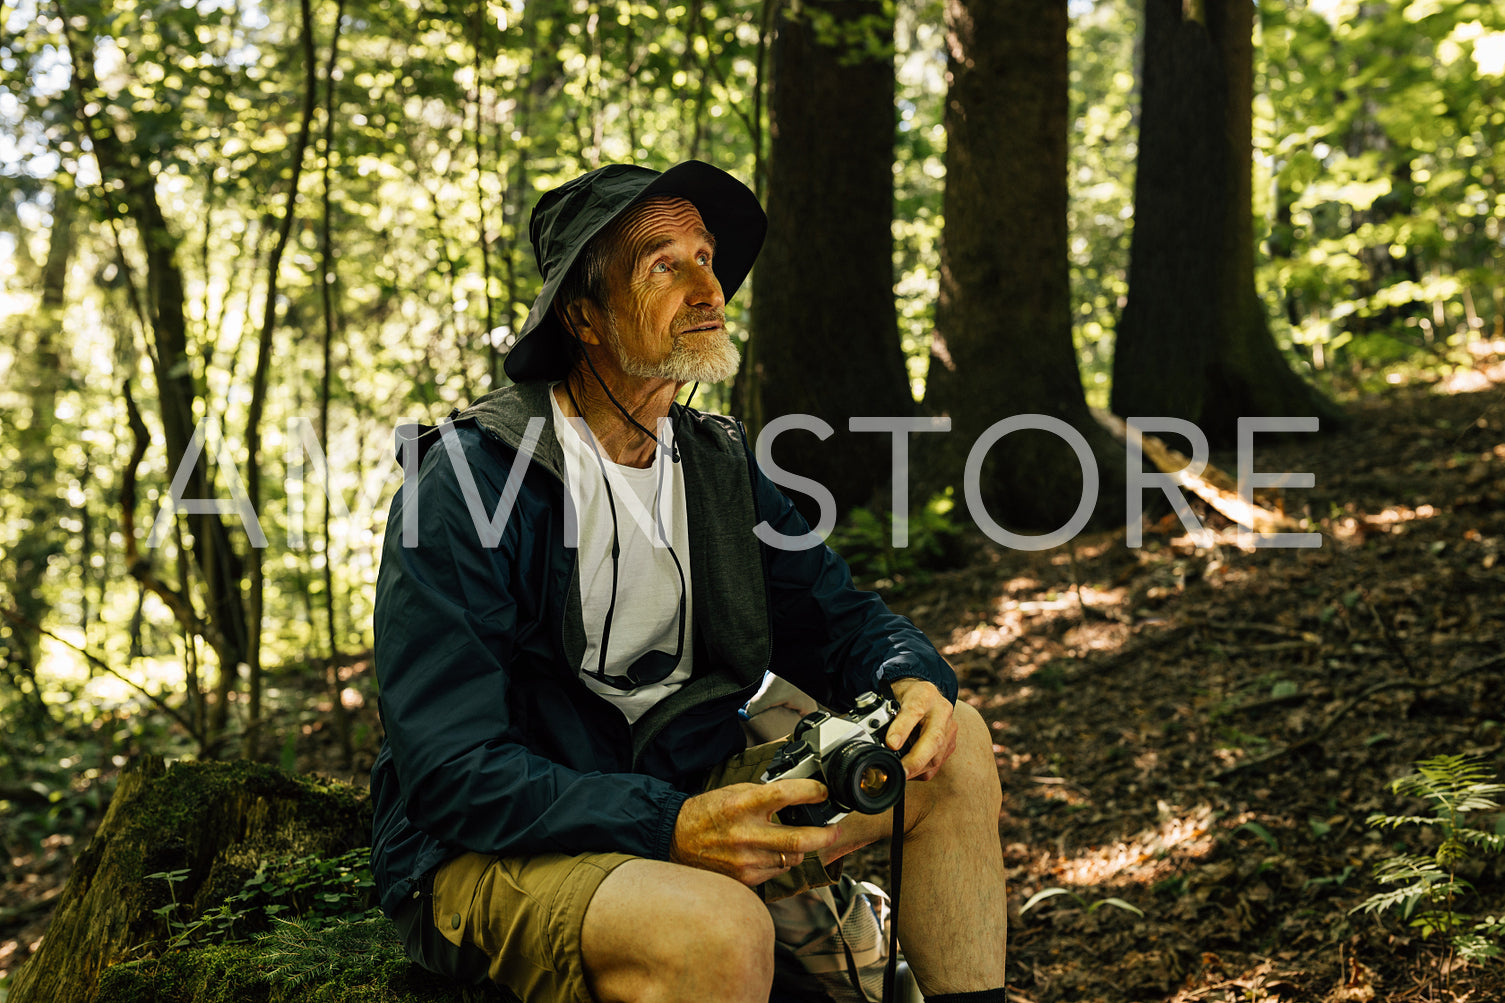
656 223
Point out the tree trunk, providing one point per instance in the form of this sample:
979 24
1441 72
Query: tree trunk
43 541
327 301
217 822
742 395
1194 341
214 556
824 319
529 91
265 345
1003 342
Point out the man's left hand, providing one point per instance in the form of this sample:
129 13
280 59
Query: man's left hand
922 706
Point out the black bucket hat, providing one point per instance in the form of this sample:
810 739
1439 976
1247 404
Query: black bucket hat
566 218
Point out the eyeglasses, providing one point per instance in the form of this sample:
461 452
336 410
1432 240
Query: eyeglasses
651 666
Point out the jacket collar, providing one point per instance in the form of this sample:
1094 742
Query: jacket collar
505 414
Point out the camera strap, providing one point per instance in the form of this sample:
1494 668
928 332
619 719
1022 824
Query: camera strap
895 872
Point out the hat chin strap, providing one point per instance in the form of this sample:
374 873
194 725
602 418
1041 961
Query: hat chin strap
568 323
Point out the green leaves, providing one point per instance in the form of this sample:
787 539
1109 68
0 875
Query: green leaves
1430 887
1375 125
864 539
867 36
1264 834
312 890
1091 907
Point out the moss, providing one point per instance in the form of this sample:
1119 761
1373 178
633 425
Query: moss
168 807
177 822
210 825
205 975
359 961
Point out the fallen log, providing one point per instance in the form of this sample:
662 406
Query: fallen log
1208 483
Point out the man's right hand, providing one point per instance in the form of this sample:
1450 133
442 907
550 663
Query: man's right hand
732 831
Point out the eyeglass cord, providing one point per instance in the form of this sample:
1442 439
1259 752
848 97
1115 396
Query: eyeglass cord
601 674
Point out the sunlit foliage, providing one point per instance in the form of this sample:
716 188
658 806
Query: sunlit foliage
1379 148
1381 138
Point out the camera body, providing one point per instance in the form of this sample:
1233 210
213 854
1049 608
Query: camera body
847 754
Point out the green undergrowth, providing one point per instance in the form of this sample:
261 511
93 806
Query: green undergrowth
1430 892
309 890
281 914
933 541
353 961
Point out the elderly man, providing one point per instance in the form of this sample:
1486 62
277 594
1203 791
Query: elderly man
599 580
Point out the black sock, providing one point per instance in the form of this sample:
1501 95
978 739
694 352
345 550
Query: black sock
981 996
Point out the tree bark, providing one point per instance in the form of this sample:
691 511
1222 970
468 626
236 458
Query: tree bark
327 303
1194 341
824 319
1003 341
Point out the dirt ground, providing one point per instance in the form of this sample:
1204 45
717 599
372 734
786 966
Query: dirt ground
1203 732
1197 731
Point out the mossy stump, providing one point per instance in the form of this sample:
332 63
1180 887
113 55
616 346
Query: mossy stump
217 822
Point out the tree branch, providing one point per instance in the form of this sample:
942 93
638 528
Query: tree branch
1415 685
15 617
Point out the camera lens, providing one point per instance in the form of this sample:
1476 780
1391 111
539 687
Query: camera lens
864 777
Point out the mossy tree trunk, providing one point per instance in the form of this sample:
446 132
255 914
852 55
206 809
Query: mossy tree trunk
214 821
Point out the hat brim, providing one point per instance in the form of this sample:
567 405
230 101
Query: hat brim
730 212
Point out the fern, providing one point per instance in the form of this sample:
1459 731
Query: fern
1489 842
352 951
1430 888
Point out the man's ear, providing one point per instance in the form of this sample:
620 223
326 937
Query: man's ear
579 314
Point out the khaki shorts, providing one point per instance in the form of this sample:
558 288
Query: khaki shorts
516 921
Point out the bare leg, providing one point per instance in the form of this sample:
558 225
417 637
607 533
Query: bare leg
656 931
953 918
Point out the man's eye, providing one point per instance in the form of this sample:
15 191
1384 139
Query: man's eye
660 266
704 259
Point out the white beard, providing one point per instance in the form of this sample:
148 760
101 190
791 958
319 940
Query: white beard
698 358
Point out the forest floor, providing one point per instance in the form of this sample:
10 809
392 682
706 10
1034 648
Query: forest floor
1199 732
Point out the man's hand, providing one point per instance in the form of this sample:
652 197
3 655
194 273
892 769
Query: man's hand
732 831
922 705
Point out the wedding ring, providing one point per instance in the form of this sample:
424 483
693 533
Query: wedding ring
782 862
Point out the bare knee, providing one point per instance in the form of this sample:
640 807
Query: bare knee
977 766
969 779
660 931
728 930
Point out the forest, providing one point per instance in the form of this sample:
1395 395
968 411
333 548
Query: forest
1190 243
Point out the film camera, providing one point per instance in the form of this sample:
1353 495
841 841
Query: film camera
846 753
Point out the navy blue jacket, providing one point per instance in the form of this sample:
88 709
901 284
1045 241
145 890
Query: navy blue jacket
493 744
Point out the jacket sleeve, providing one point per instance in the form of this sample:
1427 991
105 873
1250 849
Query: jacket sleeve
829 638
447 628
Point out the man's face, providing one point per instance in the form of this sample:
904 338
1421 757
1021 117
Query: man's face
665 311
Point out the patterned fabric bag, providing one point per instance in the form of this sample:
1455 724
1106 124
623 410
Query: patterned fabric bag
832 944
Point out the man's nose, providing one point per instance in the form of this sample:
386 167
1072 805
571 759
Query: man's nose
706 290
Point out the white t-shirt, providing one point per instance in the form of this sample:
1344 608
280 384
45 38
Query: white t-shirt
650 517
